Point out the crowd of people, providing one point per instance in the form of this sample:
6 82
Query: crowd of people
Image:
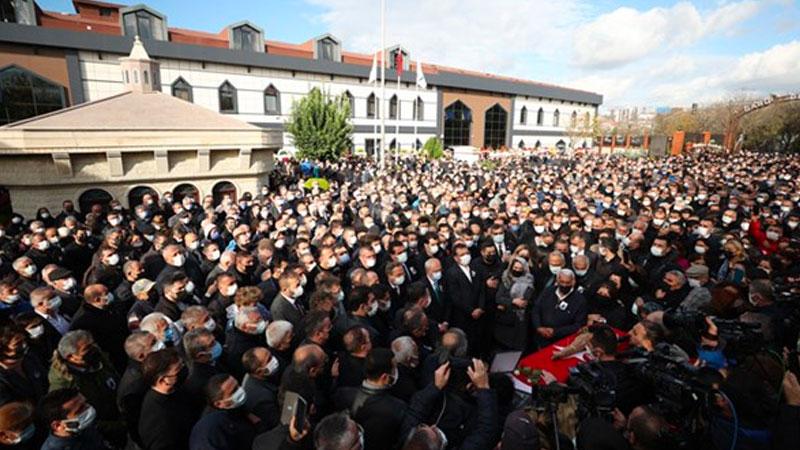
377 305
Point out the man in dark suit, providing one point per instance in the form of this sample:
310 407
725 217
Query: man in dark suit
285 306
262 395
466 295
560 310
439 309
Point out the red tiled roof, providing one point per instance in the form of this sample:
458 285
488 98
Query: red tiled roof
303 50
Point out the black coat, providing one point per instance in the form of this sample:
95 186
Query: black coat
130 395
195 384
30 385
282 309
236 343
223 429
166 421
351 371
262 402
565 320
108 330
464 296
439 309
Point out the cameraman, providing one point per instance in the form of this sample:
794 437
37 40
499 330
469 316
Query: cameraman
644 429
603 346
765 312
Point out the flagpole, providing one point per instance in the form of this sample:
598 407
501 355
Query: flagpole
416 112
383 82
375 117
397 118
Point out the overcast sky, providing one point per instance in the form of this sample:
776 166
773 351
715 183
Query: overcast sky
635 53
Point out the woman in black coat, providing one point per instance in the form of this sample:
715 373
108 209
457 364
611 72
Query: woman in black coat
514 297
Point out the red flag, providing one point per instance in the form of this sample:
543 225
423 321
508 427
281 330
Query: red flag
398 63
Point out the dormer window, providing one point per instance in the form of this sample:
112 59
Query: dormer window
393 57
327 48
144 22
246 36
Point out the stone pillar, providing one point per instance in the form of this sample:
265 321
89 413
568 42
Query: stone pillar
677 142
204 160
63 164
162 161
245 158
115 167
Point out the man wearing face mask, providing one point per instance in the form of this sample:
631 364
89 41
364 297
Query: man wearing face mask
71 421
132 388
28 279
406 353
361 309
131 271
397 283
384 417
248 332
106 271
108 329
203 354
439 309
171 301
22 374
262 394
176 261
661 260
167 416
286 306
11 303
225 423
79 363
559 311
18 429
467 296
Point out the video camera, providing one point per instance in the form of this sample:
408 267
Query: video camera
741 338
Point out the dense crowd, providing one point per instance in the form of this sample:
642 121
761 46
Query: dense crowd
377 303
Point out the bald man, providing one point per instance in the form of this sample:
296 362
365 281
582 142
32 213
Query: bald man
109 329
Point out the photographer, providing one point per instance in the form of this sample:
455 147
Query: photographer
603 346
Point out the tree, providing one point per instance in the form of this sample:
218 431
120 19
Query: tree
320 126
775 128
433 148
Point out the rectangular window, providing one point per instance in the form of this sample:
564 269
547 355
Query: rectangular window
271 104
106 12
325 50
244 38
143 22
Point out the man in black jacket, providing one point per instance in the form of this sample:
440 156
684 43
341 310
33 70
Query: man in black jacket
262 395
248 332
203 352
131 390
167 417
384 417
465 293
225 423
560 310
108 329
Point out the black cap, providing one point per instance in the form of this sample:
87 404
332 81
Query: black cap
60 273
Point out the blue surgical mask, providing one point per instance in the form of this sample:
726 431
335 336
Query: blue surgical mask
216 351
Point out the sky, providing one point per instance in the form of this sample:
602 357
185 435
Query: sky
634 53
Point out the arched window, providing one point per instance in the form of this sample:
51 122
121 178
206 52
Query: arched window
184 190
135 195
523 115
561 145
227 98
393 144
540 117
556 118
394 108
23 94
94 197
272 101
537 145
418 144
352 102
223 189
419 109
573 121
521 144
457 124
371 106
494 131
182 90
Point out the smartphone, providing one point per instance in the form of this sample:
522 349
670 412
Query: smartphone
294 406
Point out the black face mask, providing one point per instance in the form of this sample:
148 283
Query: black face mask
517 273
491 259
564 290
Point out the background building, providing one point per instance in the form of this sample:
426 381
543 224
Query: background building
125 145
238 71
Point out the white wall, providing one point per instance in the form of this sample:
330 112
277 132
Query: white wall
102 78
549 107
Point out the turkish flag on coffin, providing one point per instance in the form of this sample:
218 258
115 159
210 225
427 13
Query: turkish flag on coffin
543 359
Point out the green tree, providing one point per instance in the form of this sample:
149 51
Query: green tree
775 128
320 126
433 148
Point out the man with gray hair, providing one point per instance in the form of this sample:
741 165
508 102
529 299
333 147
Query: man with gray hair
161 327
406 354
560 310
28 275
132 387
248 332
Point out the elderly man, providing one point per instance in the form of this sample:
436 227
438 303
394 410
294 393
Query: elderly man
560 310
27 272
439 309
108 329
406 353
132 387
262 394
248 332
46 304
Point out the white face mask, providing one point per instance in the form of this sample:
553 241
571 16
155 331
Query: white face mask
369 263
373 309
113 260
36 331
700 250
656 251
238 398
555 269
298 292
694 283
434 249
231 291
214 256
399 281
30 270
436 276
272 366
178 260
773 235
402 258
464 260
